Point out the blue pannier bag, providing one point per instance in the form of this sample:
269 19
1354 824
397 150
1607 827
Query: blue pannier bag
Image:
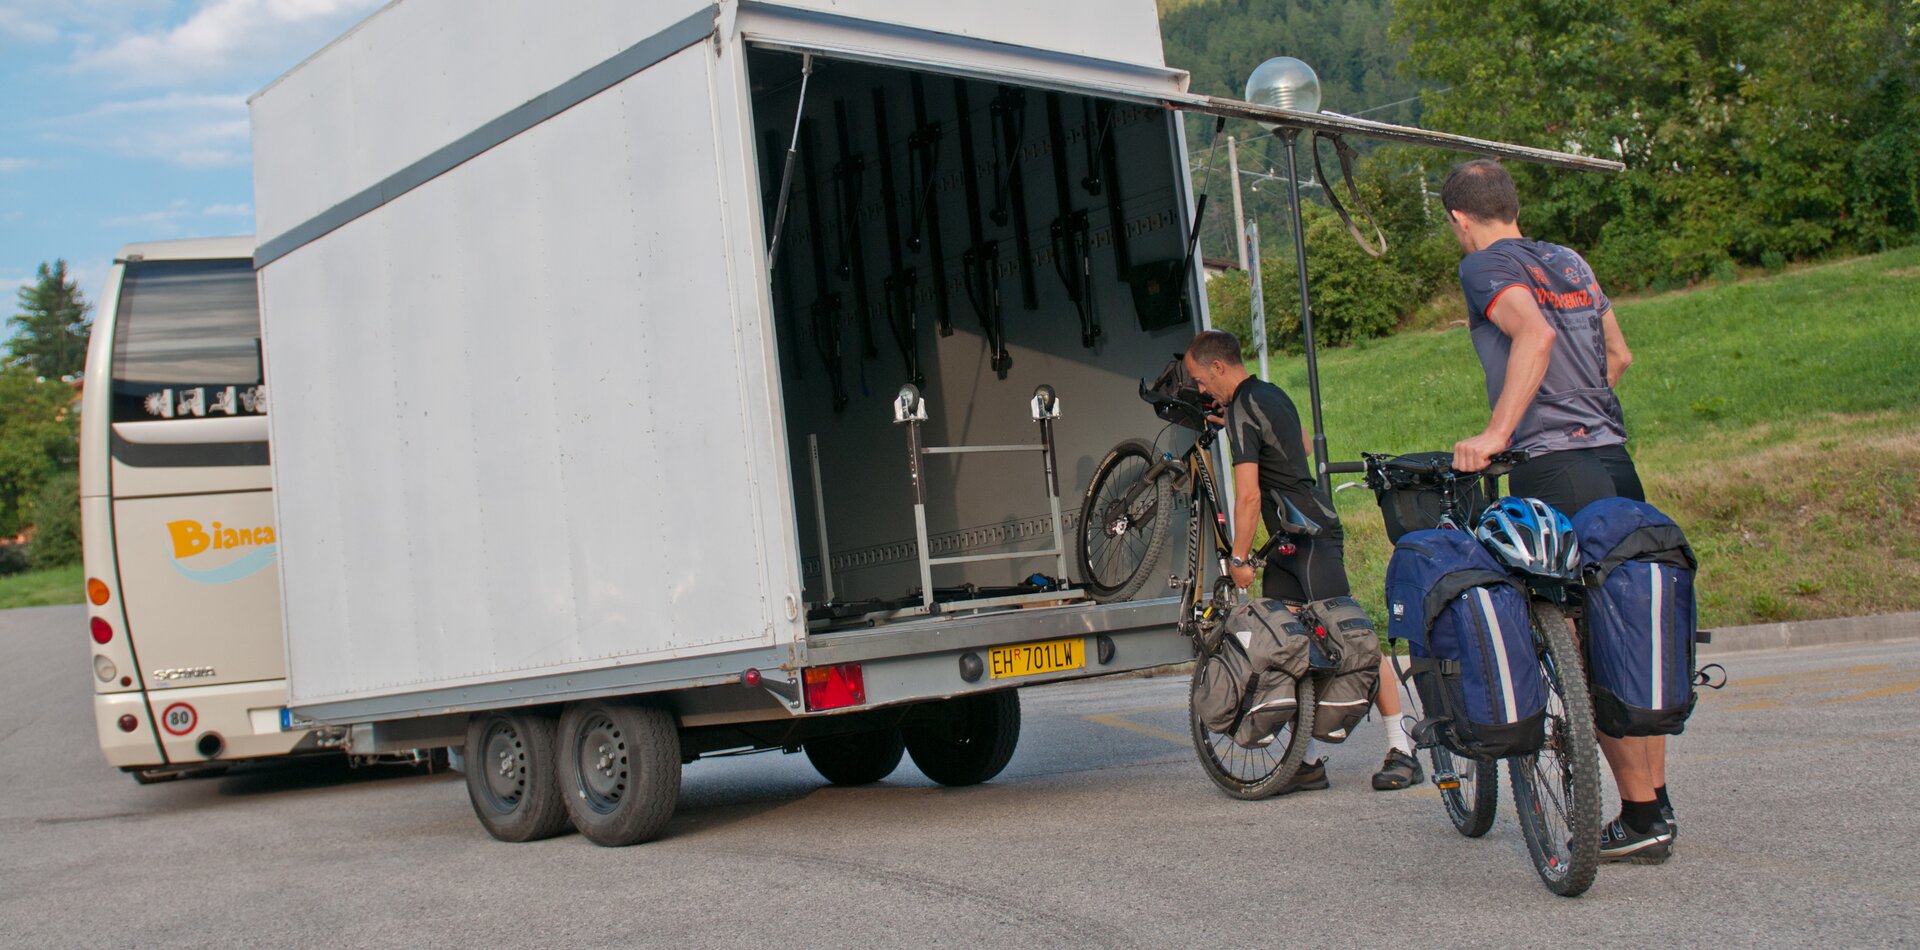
1465 619
1638 571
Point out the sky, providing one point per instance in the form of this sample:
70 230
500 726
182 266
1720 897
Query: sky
126 120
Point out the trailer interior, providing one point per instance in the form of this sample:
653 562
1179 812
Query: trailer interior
984 244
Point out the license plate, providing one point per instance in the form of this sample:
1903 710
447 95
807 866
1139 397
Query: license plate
291 723
1027 659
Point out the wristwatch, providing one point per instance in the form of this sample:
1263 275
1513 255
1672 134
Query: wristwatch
1239 562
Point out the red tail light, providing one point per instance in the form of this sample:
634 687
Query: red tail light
128 723
835 687
102 630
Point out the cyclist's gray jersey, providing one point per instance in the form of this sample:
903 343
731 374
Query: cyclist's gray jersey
1575 408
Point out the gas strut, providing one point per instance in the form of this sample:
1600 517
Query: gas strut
848 178
1116 202
981 261
902 284
783 276
923 162
1009 110
1072 244
826 305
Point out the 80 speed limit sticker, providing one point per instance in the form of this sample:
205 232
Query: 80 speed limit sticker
179 719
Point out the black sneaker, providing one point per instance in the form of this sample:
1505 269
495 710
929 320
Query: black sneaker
1311 777
1398 771
1673 827
1619 842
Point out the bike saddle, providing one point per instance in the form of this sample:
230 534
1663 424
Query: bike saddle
1294 522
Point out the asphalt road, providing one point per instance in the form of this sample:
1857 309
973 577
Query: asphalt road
1797 788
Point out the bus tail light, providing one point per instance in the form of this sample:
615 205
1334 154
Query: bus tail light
97 591
102 630
834 687
104 668
128 723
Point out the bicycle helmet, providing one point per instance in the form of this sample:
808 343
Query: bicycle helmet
1530 536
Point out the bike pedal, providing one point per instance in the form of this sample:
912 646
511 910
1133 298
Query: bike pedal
1447 781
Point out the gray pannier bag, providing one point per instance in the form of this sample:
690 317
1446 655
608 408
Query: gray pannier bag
1346 657
1248 686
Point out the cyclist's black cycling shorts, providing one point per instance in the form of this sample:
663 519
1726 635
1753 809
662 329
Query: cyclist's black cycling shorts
1572 479
1315 571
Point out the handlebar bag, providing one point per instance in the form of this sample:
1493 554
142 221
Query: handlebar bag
1409 500
1349 676
1467 626
1641 618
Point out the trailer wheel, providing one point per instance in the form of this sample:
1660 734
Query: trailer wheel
859 759
619 770
510 776
970 739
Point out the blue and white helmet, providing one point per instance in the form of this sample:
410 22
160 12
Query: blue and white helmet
1530 536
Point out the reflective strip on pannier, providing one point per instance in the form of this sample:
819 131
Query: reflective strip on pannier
1640 617
1499 652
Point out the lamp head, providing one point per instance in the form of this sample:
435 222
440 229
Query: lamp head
1285 83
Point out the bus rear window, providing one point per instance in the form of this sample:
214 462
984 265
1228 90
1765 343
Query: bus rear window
186 341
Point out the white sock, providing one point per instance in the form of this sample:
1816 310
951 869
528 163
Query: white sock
1313 752
1397 734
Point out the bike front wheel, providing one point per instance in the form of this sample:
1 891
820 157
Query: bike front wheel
1556 791
1124 521
1469 788
1252 773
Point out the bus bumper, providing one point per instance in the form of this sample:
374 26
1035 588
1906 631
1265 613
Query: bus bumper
197 724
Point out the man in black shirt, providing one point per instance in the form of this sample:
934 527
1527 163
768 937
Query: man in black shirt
1271 461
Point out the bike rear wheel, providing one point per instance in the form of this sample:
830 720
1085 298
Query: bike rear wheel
1556 791
1124 521
1252 773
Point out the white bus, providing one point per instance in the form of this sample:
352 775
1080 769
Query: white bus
176 497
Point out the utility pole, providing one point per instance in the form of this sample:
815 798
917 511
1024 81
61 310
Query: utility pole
1250 249
1239 213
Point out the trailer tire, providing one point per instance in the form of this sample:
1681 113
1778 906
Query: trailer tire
510 775
619 770
971 739
862 758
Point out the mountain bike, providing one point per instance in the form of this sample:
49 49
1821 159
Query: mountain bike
1556 790
1126 517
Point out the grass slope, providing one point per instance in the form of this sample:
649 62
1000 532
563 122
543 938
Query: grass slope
60 585
1778 420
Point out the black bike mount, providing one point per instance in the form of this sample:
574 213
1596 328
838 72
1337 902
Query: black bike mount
848 178
827 316
1071 231
1009 113
981 261
923 164
902 284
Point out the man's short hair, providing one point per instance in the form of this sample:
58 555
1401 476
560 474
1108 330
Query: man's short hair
1483 189
1215 345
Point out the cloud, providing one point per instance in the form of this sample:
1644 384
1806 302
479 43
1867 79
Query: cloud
16 164
220 38
241 210
164 222
26 27
185 129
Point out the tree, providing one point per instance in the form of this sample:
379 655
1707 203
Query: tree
50 331
38 437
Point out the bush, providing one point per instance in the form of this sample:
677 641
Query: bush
56 523
13 559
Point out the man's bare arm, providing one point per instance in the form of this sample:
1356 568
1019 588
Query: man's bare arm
1520 319
1246 507
1618 356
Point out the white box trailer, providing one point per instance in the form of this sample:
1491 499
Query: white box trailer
570 469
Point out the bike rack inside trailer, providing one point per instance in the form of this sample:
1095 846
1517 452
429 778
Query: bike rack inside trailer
910 410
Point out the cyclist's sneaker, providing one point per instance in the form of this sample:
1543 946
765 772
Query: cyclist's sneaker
1673 827
1312 777
1619 842
1398 771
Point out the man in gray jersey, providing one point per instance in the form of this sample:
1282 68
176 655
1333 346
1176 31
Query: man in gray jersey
1552 352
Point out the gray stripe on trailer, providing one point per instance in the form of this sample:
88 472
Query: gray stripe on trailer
601 77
